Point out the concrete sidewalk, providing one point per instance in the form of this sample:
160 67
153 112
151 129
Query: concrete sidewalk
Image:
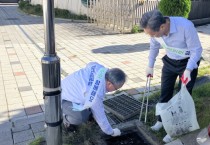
21 50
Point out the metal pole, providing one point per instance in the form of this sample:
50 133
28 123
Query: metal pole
51 79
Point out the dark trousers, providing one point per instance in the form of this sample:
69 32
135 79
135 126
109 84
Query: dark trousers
170 71
74 117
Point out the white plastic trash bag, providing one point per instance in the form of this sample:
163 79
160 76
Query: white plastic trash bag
178 114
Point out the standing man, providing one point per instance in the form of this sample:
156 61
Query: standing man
83 93
183 52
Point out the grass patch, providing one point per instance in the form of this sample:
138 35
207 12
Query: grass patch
151 118
203 71
201 97
38 141
27 8
86 134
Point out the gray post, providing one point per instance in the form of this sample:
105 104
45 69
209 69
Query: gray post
51 79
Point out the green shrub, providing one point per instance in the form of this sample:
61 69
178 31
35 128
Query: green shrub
135 29
62 13
23 4
26 7
38 8
175 7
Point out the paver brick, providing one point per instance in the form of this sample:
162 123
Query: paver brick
14 62
6 137
137 96
33 110
28 119
25 142
36 118
38 127
4 118
5 126
132 92
7 142
25 88
20 128
17 113
23 136
19 73
137 79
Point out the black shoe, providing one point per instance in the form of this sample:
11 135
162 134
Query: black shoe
69 128
91 118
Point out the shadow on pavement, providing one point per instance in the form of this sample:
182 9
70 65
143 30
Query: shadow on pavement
204 29
118 49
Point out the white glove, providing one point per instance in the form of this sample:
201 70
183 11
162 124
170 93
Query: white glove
149 72
117 132
186 78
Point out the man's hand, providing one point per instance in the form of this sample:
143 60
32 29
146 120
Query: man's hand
117 132
186 78
149 72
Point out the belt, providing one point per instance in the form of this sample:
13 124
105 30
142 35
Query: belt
181 60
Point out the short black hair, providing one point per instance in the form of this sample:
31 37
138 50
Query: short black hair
153 20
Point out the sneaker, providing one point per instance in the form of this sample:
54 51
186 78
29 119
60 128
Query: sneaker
158 125
168 139
45 126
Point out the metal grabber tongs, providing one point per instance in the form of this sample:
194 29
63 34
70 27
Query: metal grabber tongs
146 94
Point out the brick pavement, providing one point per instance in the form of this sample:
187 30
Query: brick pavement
21 49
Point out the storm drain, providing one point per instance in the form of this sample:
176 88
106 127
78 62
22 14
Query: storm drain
113 119
123 106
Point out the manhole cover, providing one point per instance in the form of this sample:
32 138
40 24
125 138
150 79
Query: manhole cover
123 106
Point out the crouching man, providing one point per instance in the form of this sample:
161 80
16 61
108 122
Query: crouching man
83 93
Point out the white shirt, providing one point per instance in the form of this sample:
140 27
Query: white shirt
76 86
182 34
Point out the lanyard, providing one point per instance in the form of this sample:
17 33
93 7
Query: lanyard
184 52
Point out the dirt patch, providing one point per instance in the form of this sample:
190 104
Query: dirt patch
127 139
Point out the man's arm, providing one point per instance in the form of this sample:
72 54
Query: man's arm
154 50
100 116
194 45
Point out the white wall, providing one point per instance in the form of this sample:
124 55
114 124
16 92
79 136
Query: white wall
74 6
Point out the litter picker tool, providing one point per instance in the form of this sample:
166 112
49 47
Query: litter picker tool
146 94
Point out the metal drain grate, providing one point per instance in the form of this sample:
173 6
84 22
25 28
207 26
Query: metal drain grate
113 119
123 106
